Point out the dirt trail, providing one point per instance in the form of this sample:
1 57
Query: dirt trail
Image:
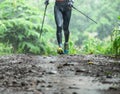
65 74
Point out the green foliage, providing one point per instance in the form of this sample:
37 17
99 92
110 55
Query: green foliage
105 17
115 39
116 42
16 9
73 49
119 17
5 49
21 34
19 27
95 46
48 37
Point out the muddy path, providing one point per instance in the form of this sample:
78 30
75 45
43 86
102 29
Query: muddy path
65 74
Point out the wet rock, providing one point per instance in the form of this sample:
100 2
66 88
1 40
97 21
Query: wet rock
50 86
42 81
113 88
74 93
59 67
19 62
67 64
42 85
55 92
81 70
1 77
30 71
33 66
23 84
73 87
37 92
51 62
15 77
5 83
108 76
51 72
37 82
15 83
97 75
38 87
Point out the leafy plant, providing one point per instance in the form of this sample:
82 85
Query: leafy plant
19 27
119 17
95 46
5 49
116 41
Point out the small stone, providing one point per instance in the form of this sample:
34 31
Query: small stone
5 83
1 77
23 84
112 88
51 62
74 93
56 93
38 87
49 86
14 83
108 76
72 87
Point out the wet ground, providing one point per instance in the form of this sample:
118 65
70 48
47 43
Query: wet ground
65 74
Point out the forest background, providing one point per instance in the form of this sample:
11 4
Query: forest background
21 21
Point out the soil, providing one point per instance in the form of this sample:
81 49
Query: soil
62 74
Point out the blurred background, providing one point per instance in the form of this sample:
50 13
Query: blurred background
21 21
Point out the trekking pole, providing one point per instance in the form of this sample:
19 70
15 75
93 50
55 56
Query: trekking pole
43 20
84 14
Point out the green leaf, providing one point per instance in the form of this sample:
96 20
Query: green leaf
119 17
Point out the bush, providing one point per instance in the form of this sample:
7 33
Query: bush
20 27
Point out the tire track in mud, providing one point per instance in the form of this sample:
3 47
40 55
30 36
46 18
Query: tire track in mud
65 74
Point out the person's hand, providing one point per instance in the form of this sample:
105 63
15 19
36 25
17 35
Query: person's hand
70 3
46 2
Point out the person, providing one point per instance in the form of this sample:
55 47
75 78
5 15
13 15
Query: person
62 15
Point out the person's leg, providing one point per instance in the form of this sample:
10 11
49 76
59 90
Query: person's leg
66 19
67 16
59 23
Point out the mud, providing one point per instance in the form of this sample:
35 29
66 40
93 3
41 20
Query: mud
64 74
